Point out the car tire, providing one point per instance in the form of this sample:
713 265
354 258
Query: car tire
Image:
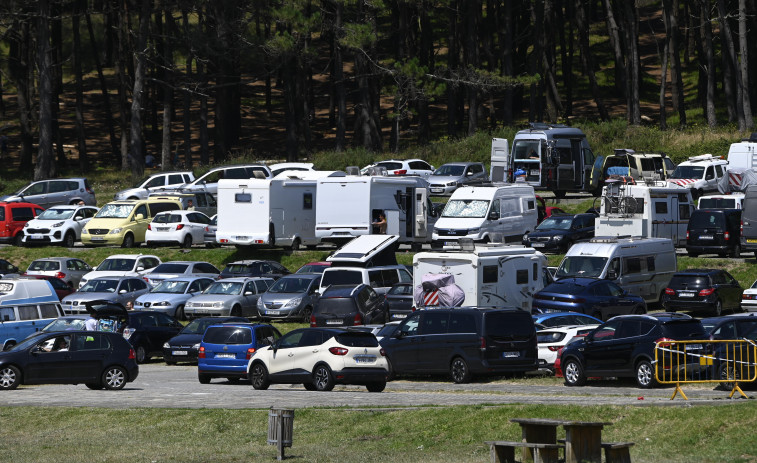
309 386
114 378
323 380
18 240
573 373
128 241
203 379
377 386
295 244
180 313
187 243
10 377
170 362
259 377
69 240
727 372
94 386
717 311
390 374
459 371
141 354
693 254
235 311
645 377
736 251
559 194
306 313
639 310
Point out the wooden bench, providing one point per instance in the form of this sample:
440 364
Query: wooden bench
504 451
617 452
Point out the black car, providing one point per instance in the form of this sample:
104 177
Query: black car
254 268
602 299
716 231
184 346
6 268
624 347
97 359
696 290
557 233
347 305
399 301
463 342
732 360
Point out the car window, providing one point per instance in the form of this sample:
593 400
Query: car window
28 312
410 326
311 338
91 341
291 339
462 323
36 189
59 186
174 179
148 262
199 285
156 182
204 267
341 277
606 331
628 329
614 289
434 322
262 285
249 287
22 213
390 277
227 335
141 209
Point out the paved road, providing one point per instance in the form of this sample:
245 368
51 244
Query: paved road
159 385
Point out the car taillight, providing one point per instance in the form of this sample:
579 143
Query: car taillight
482 343
554 348
687 234
727 235
132 354
400 172
250 351
748 296
358 320
706 291
90 191
312 321
670 291
207 228
149 226
741 227
580 300
60 275
413 309
128 332
180 226
659 340
201 352
338 350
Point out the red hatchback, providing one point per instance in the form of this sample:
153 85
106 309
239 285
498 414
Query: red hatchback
13 217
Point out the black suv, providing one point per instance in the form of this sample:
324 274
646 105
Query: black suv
557 233
348 305
624 347
715 231
463 342
698 290
732 360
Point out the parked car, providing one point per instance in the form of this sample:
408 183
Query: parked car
231 297
463 343
13 218
449 177
254 268
347 305
387 330
124 223
381 278
557 233
749 299
290 297
6 268
320 358
417 167
64 323
202 201
399 301
602 299
556 319
68 269
99 360
732 361
314 267
58 225
716 231
118 290
181 268
209 181
54 192
632 340
177 227
226 349
155 182
697 290
170 295
280 167
61 288
123 265
551 340
184 346
209 236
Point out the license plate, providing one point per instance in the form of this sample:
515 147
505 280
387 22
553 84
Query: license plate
365 358
693 347
682 294
97 238
450 243
273 312
399 315
179 352
511 354
436 190
751 241
241 238
161 228
706 237
226 356
534 172
537 245
334 322
37 237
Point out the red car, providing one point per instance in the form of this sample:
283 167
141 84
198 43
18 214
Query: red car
546 211
13 217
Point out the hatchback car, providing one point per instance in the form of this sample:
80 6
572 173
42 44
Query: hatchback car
99 360
54 192
154 183
60 287
181 268
119 290
68 269
171 295
209 181
347 305
290 297
13 218
449 177
184 346
232 297
557 233
601 299
697 290
399 301
6 268
417 167
65 323
58 225
320 358
551 340
716 231
749 298
254 268
177 227
226 349
123 265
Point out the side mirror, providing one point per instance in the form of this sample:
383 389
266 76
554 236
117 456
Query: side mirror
139 269
248 293
494 215
78 218
140 217
612 275
123 291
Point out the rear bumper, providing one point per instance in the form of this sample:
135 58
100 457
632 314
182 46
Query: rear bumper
699 249
360 375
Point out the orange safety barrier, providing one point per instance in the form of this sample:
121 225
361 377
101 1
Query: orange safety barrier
728 362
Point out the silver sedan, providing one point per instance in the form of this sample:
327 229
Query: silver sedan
236 297
112 289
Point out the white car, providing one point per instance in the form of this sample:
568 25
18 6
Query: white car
417 167
181 268
276 169
177 227
153 183
123 265
209 181
58 225
700 174
749 299
320 358
550 341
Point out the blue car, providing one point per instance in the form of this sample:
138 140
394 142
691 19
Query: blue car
555 319
602 299
184 346
226 349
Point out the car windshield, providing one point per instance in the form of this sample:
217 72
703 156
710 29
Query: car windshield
543 337
115 211
688 172
337 306
65 324
44 265
171 268
556 223
225 287
117 265
390 165
450 171
466 208
717 203
167 218
312 269
402 290
238 268
171 287
290 285
581 266
704 219
100 286
342 277
506 325
56 214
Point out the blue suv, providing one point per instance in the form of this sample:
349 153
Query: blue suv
226 349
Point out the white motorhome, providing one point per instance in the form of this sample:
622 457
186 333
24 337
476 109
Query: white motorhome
645 211
288 201
490 213
742 154
642 266
489 274
348 207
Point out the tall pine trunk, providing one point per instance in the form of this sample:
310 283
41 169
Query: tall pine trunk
45 167
81 137
136 150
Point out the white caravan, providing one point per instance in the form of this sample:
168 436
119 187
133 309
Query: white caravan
489 274
742 154
645 211
347 207
492 213
270 212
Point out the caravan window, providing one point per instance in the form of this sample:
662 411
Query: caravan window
526 149
28 312
242 198
684 211
521 277
307 201
466 208
509 207
661 207
48 310
650 263
7 314
632 265
490 274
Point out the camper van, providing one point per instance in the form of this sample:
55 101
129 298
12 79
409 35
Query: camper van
749 221
350 206
641 266
742 154
490 275
487 213
288 201
26 306
645 211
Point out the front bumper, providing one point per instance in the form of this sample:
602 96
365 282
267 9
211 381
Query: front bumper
102 240
180 354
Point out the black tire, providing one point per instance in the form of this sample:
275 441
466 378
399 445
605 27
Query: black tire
114 378
10 377
390 374
128 241
180 313
296 244
236 311
717 311
573 373
727 372
141 354
18 240
559 194
170 362
94 386
203 379
187 243
639 310
69 240
459 371
693 254
645 375
736 251
259 377
309 386
323 380
306 313
378 386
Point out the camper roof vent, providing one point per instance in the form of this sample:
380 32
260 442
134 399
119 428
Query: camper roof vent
608 239
545 126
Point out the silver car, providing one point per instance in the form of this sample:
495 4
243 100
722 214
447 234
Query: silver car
68 269
112 289
181 268
291 297
155 182
171 295
48 193
449 177
235 297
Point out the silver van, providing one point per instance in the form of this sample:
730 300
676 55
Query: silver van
749 220
48 193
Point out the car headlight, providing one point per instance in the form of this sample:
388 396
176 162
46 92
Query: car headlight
58 225
189 304
474 231
218 305
26 224
294 302
558 238
260 303
84 231
166 346
451 183
161 304
196 346
115 231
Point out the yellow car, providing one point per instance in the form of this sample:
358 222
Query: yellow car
124 223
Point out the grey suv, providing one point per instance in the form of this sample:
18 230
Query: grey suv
47 193
447 178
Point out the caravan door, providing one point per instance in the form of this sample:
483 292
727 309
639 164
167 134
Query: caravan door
499 161
421 213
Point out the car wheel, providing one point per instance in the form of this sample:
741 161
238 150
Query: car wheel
180 313
187 243
296 244
727 372
309 386
459 371
141 354
718 309
259 377
18 240
693 254
640 310
573 373
559 194
94 386
306 313
390 375
323 380
236 311
645 375
69 240
203 379
114 378
378 386
128 241
736 251
170 362
10 377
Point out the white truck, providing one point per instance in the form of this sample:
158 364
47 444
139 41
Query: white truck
700 174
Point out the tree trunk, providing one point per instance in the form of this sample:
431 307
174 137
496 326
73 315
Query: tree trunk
707 45
339 90
615 41
136 151
731 75
663 84
471 59
744 67
633 70
45 167
186 97
507 60
670 15
425 58
20 68
168 78
81 137
535 107
453 90
123 84
586 58
56 66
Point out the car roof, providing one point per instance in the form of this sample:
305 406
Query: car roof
55 258
129 256
249 261
291 276
243 279
116 277
189 278
342 290
697 271
184 262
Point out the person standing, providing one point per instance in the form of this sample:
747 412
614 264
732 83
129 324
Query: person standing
380 225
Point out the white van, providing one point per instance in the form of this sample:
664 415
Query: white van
640 266
729 201
742 154
26 306
490 275
492 213
700 174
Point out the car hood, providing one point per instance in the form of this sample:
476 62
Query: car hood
123 194
542 233
83 297
109 273
434 179
215 298
458 223
10 198
184 339
109 224
280 297
160 297
163 276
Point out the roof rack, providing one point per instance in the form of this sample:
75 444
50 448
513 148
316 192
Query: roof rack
546 126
